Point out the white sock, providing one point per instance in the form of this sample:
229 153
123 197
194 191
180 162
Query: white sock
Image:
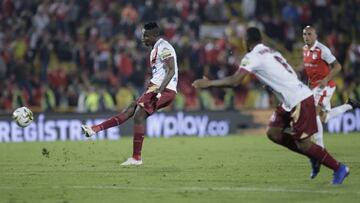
337 111
318 137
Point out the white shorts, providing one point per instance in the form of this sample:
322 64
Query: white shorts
323 96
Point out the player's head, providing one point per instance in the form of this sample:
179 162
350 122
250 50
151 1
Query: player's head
253 37
150 33
309 35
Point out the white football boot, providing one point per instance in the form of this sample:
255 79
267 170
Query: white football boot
87 131
132 162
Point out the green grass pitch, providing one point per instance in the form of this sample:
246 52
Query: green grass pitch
235 168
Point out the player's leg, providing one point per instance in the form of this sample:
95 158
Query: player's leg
305 147
139 132
279 130
118 119
333 112
138 137
304 125
147 105
324 113
278 136
322 100
316 152
280 133
350 104
318 136
319 140
113 121
321 96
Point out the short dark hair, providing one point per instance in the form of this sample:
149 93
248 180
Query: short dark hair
253 35
153 27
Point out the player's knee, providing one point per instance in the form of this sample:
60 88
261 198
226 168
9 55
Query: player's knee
304 144
130 110
140 117
273 134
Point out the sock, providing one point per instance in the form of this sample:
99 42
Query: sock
114 121
319 153
318 137
337 111
139 133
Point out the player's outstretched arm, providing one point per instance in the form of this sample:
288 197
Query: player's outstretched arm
230 81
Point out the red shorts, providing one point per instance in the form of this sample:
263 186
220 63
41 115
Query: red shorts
150 103
301 119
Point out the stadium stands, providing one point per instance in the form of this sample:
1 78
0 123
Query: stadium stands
67 55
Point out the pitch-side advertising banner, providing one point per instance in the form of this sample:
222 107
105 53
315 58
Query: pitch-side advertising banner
66 126
345 123
56 126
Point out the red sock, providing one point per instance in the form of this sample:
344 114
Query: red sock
114 121
319 153
139 133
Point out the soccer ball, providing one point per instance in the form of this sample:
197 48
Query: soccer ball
23 116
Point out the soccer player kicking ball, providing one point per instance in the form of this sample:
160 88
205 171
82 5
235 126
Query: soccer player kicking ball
320 67
297 110
160 92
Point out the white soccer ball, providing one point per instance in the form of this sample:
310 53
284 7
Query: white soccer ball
23 116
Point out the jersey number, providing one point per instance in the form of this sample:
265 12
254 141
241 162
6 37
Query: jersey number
283 63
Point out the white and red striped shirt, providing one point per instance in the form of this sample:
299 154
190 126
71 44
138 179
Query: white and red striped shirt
161 51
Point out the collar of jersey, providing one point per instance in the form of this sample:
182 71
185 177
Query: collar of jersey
313 46
258 46
157 42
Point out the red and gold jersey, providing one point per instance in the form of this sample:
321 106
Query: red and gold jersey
316 62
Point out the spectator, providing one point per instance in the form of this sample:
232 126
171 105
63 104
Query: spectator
248 8
92 100
106 102
3 69
48 102
45 49
354 54
124 96
100 41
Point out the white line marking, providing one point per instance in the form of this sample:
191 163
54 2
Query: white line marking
188 189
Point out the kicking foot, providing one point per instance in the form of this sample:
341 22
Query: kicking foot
315 168
340 174
353 103
87 131
132 162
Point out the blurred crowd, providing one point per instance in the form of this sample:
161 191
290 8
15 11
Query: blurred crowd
87 56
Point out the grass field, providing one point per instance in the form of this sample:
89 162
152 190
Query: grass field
182 169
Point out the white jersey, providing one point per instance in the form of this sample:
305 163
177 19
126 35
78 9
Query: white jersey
161 51
271 68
